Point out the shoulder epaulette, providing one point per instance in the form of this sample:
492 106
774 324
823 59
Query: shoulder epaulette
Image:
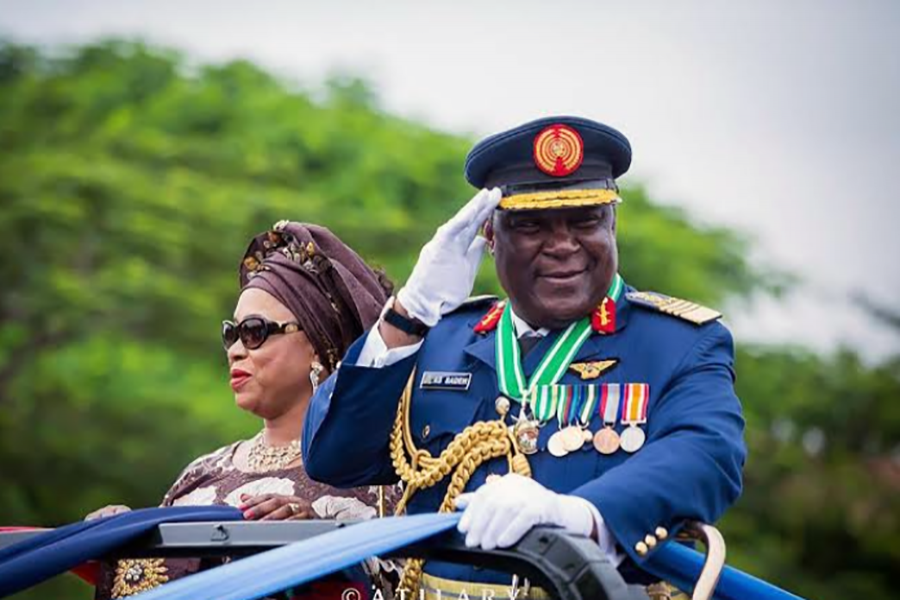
683 309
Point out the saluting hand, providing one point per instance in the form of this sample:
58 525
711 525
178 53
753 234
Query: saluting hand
275 507
445 272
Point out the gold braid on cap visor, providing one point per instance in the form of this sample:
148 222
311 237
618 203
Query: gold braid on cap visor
560 199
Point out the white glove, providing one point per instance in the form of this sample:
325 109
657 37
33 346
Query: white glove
445 273
501 512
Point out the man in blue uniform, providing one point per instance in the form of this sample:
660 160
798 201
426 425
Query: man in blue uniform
578 402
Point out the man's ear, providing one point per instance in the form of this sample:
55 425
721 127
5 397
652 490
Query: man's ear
489 231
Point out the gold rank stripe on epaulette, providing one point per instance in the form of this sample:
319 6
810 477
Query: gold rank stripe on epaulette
683 309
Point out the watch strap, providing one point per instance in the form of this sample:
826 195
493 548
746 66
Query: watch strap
405 324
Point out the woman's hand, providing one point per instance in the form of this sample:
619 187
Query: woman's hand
275 507
107 511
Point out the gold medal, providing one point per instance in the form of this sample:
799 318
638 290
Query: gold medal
606 441
633 438
556 445
572 438
587 435
526 433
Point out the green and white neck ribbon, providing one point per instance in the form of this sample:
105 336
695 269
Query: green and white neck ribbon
535 391
615 288
511 377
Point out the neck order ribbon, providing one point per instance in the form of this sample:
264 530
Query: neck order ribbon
510 375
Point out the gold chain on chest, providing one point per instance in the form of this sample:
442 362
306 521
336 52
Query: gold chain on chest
418 470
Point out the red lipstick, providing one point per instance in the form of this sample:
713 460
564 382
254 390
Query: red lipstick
238 378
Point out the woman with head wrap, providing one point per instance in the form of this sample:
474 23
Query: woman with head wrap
305 297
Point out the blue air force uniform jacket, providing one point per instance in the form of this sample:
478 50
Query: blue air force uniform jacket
689 467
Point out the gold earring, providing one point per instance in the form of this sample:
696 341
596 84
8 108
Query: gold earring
315 370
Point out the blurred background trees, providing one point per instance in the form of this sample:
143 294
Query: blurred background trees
131 181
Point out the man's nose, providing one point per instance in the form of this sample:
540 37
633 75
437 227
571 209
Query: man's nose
560 241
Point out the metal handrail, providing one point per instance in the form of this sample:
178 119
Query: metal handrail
714 543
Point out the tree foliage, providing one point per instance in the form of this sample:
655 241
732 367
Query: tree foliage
130 183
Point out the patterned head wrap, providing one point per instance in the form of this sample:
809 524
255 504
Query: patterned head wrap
334 295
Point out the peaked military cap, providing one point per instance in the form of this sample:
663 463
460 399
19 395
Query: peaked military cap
551 163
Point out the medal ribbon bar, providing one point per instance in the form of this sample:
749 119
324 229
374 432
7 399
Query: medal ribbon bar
636 396
610 397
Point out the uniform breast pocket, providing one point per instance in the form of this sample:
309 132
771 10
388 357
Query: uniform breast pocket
438 415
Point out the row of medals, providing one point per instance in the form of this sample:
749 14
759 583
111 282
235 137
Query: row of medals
573 437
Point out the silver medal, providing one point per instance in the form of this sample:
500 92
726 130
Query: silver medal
632 439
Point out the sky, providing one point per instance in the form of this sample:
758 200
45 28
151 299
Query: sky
777 118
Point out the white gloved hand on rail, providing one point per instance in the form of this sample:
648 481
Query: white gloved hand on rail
501 512
445 272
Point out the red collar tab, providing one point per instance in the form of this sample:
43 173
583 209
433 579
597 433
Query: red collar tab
489 321
603 319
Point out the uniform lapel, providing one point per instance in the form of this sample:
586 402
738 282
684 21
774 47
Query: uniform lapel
593 348
600 346
483 349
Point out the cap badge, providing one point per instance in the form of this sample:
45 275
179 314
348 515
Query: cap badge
558 150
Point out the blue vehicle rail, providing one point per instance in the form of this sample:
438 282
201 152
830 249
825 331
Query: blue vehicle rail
568 567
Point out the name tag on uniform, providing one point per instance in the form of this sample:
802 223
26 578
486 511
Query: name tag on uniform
443 380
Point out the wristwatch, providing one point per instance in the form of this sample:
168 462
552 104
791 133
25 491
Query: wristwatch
404 324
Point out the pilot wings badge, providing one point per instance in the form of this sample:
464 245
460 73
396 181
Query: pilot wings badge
594 368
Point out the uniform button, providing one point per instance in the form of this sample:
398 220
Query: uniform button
425 431
640 548
661 533
650 541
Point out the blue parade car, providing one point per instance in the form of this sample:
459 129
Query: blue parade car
278 556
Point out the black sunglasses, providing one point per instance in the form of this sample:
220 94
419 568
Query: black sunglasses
253 331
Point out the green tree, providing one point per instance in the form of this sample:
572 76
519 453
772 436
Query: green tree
131 180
